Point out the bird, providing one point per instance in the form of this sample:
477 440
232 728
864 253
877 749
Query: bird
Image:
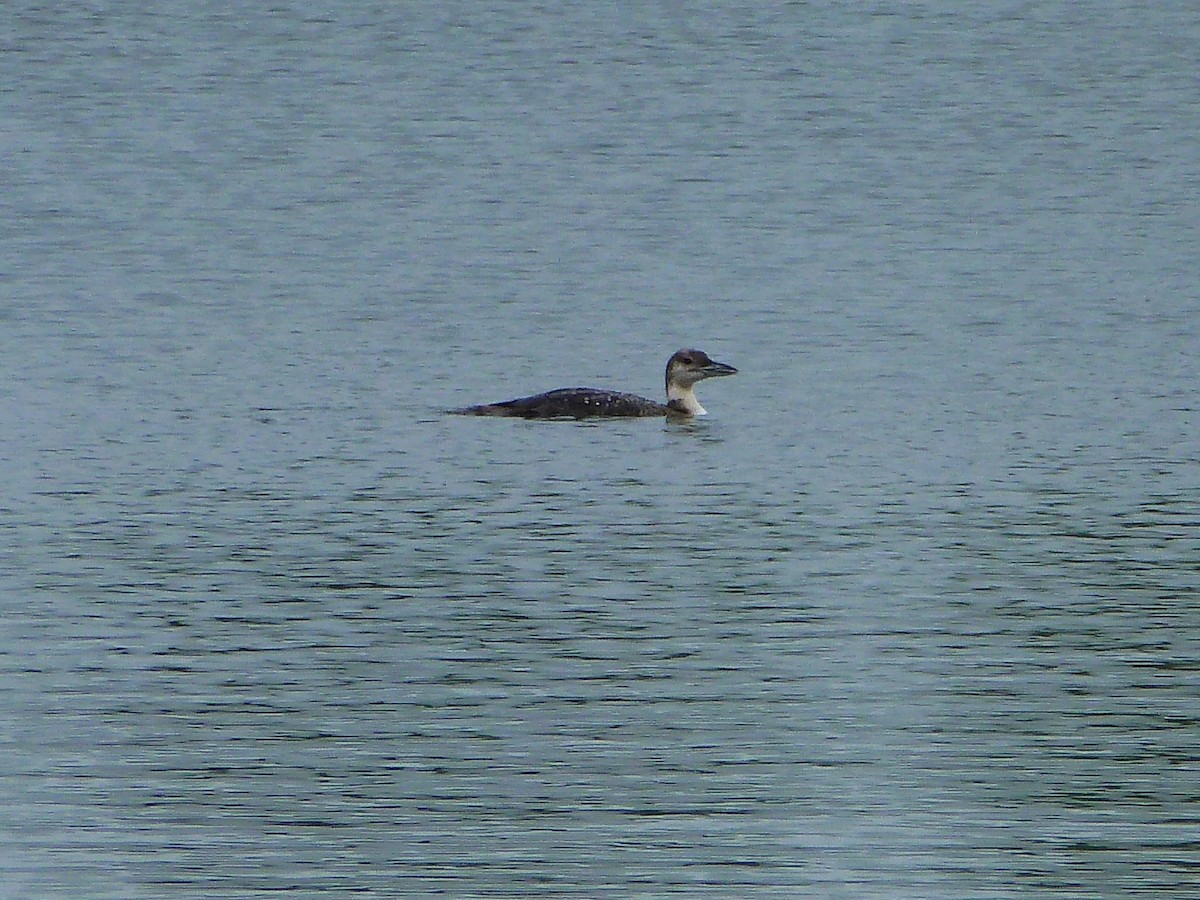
684 369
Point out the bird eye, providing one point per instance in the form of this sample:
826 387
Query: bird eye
686 360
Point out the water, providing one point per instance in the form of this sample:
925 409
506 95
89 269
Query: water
911 613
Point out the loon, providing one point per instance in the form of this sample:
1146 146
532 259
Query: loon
684 369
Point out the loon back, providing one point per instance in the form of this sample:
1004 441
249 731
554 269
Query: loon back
684 369
577 403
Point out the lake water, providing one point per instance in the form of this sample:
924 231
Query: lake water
912 613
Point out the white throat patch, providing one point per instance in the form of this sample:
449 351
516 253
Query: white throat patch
685 397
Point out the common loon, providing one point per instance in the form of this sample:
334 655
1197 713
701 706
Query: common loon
684 369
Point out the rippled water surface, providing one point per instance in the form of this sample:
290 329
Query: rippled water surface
912 613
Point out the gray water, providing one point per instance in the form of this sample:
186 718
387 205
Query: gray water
912 613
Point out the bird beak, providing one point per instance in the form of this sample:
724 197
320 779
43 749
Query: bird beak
713 369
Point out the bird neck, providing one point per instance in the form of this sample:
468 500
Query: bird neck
684 399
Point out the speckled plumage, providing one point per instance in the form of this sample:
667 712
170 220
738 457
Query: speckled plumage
577 403
684 369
